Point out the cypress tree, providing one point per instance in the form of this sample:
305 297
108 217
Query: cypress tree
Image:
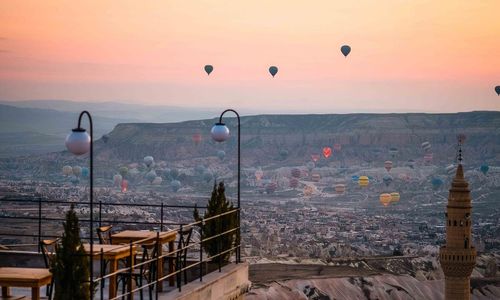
218 204
71 265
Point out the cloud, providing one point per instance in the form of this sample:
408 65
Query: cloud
4 51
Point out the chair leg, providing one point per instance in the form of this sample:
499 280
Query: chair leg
124 283
140 285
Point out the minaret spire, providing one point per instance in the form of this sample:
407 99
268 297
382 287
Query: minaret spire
458 256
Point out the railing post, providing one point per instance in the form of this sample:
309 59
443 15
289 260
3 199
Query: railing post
102 273
100 213
201 249
131 264
39 223
178 259
158 245
161 217
238 237
219 239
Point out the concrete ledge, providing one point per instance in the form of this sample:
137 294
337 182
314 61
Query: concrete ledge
230 284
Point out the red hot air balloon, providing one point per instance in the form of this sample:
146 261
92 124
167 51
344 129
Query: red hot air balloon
327 151
294 183
197 138
124 185
315 157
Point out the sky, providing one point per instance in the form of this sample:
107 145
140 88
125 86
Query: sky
407 56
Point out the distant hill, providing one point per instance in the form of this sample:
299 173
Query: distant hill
124 111
26 131
364 138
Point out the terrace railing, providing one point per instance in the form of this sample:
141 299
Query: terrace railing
196 265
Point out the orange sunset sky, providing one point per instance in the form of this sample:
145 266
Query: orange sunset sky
406 55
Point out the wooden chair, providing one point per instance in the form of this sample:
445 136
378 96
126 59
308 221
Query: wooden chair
104 234
146 272
49 249
184 235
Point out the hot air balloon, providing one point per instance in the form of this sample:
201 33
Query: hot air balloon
273 70
315 157
123 171
345 49
67 170
308 190
294 183
428 158
484 169
221 154
259 174
85 172
426 146
327 151
271 187
497 89
385 199
208 69
124 185
197 138
355 179
295 173
74 180
117 179
283 153
387 179
77 171
411 163
340 188
450 170
337 147
388 165
395 197
149 161
151 175
315 177
175 185
393 151
157 181
363 181
436 183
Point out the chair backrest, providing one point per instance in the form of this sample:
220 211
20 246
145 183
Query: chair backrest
104 234
184 240
149 252
48 248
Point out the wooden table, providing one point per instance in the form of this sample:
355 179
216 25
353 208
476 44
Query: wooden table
24 277
113 253
144 237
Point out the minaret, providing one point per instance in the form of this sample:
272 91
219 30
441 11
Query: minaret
458 256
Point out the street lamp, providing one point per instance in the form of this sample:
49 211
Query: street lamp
79 142
220 133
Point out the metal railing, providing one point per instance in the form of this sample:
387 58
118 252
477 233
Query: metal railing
171 255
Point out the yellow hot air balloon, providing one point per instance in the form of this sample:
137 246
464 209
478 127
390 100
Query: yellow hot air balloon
340 188
308 190
363 181
316 177
385 199
395 197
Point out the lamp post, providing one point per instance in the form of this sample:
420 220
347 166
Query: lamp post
220 133
80 142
